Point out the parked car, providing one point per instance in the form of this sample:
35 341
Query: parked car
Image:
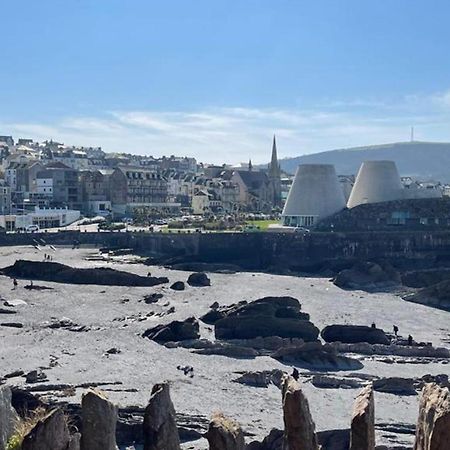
31 228
301 230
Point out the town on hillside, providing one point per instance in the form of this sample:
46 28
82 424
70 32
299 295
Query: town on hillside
50 185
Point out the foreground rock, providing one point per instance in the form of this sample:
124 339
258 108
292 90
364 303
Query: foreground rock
159 428
433 426
314 355
198 279
368 276
268 316
299 428
49 433
224 434
99 418
362 435
174 331
60 273
177 286
351 334
8 416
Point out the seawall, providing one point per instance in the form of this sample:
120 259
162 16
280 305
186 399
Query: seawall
266 250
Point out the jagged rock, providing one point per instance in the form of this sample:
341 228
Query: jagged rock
395 385
224 434
351 334
299 428
367 276
268 316
160 430
314 355
362 436
273 441
178 286
433 425
7 311
199 279
174 331
8 415
99 418
261 379
60 273
49 433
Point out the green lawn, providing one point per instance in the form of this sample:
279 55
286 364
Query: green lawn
262 224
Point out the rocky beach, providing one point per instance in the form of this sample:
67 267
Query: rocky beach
76 335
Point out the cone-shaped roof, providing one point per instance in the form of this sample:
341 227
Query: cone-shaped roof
377 181
315 192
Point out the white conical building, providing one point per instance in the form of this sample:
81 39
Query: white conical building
377 181
314 195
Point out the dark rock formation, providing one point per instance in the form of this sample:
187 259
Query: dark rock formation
99 418
299 428
198 279
60 273
273 441
159 428
433 425
362 435
153 298
367 276
261 379
314 355
8 415
49 433
437 296
12 324
395 385
329 382
364 348
269 316
334 439
351 334
174 331
425 278
178 286
224 434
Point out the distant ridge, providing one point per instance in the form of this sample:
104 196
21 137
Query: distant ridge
424 160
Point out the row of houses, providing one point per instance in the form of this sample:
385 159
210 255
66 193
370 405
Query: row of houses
50 175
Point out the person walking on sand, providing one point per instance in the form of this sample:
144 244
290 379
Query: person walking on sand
15 283
396 330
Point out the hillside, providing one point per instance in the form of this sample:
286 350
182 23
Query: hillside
425 160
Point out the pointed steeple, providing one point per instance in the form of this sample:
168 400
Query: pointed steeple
250 165
274 167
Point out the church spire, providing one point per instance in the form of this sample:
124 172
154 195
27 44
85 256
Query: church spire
274 167
250 165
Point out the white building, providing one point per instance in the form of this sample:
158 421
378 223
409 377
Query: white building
42 217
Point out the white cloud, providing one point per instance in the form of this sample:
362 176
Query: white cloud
235 134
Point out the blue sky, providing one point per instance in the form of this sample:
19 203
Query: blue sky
215 79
